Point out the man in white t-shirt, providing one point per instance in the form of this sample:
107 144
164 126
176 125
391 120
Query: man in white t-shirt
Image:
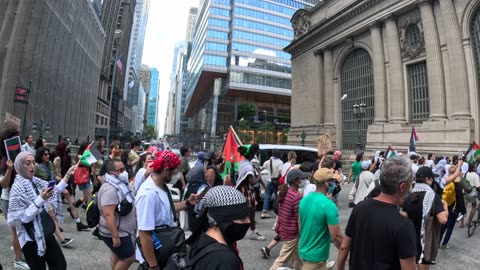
154 208
471 198
429 161
274 167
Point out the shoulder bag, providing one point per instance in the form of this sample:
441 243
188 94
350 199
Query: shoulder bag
172 239
432 236
47 222
275 180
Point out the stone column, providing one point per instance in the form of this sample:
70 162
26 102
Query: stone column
436 82
320 83
328 101
379 81
397 90
456 59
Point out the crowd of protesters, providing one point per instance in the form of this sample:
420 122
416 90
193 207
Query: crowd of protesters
403 208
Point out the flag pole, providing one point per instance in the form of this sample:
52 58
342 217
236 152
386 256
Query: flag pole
235 135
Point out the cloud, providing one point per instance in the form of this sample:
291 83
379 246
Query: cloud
166 26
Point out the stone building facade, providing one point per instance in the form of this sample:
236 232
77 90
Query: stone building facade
57 45
411 62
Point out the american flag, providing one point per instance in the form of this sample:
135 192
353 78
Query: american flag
119 63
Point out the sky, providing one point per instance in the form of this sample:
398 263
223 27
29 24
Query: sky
167 21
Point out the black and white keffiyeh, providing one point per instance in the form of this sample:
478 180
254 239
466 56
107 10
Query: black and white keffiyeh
123 189
427 205
22 195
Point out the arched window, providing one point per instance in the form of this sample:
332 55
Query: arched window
357 83
475 37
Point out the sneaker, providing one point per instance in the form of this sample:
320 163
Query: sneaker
21 264
444 247
330 264
66 242
256 236
434 261
265 252
264 215
81 227
95 233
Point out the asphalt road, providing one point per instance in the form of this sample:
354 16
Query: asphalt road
86 252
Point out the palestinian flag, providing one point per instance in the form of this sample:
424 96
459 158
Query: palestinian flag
413 140
13 146
91 155
473 152
390 153
230 152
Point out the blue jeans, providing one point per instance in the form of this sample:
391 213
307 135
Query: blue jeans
448 227
271 189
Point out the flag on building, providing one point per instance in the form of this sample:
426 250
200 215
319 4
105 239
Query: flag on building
230 152
131 84
390 153
119 63
472 152
90 155
413 140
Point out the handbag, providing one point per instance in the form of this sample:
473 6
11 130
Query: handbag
432 236
281 181
81 175
275 180
47 223
172 239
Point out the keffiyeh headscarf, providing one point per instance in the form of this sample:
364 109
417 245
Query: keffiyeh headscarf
22 195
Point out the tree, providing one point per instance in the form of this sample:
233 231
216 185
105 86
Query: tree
244 131
149 133
246 111
284 136
266 129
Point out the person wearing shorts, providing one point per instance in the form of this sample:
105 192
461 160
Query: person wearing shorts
115 229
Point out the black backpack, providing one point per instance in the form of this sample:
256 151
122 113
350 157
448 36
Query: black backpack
181 261
375 191
93 213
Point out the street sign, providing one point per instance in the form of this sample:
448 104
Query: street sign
21 95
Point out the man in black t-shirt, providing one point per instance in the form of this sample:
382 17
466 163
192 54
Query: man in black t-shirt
377 235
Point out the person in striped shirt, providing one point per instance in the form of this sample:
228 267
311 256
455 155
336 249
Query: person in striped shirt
288 220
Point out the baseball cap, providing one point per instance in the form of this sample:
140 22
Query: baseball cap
201 155
295 174
324 174
424 172
366 164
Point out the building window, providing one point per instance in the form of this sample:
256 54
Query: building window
418 92
475 37
357 83
413 35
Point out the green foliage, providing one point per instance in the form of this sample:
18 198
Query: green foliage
244 131
284 136
246 111
149 133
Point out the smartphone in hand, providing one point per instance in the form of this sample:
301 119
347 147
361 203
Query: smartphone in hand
51 184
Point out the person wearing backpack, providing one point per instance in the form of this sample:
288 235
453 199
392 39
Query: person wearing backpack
227 211
453 196
117 220
428 212
473 182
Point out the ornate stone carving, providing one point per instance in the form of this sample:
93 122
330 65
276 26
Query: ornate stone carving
412 48
300 23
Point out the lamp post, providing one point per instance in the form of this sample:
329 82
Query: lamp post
359 113
42 128
265 136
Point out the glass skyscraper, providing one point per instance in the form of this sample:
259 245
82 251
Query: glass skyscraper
241 42
153 99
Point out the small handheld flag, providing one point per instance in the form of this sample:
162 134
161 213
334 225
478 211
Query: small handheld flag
413 140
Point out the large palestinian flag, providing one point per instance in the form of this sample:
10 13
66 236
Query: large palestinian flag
230 152
472 152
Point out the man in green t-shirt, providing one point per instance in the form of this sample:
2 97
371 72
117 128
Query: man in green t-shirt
319 222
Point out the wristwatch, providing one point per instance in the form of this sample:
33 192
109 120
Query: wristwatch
187 203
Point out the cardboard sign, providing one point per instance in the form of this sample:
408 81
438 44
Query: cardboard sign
324 143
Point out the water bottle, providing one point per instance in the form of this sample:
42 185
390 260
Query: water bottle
156 242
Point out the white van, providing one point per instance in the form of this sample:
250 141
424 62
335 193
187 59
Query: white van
303 154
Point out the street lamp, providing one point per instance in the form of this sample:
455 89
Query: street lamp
43 129
359 113
265 136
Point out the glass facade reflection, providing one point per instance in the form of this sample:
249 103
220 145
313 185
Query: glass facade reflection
241 41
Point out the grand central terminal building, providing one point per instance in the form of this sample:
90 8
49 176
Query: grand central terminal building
409 63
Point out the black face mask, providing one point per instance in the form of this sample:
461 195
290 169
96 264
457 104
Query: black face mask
233 232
